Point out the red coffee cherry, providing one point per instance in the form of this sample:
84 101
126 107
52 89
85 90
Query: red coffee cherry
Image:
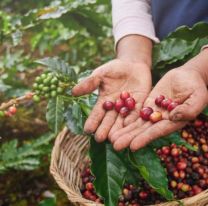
155 117
165 103
165 150
143 195
145 113
12 110
124 111
159 99
181 165
174 152
89 186
124 95
172 106
130 103
119 104
108 105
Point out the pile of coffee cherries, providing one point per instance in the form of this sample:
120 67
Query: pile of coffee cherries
148 114
123 106
47 85
187 170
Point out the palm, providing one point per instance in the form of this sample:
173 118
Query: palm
174 85
111 79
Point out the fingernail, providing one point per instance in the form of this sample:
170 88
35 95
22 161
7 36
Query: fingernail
177 117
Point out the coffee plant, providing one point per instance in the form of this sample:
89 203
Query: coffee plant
72 40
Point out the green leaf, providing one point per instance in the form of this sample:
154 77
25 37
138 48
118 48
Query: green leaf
109 169
48 202
150 168
205 111
172 138
199 30
172 50
75 118
57 65
55 113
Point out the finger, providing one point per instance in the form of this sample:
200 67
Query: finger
95 117
125 140
157 130
191 107
133 116
119 124
105 126
126 130
86 86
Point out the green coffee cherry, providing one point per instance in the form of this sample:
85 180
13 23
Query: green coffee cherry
54 80
53 86
40 86
36 98
35 85
38 79
2 114
47 95
46 81
60 90
53 94
46 89
43 76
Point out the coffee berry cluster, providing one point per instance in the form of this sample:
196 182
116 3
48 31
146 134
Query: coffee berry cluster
123 105
148 114
187 170
87 189
47 85
11 111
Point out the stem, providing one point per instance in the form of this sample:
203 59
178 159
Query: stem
15 101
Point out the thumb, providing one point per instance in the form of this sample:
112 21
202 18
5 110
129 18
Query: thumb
191 108
87 86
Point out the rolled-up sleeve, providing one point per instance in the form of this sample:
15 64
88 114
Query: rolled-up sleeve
132 17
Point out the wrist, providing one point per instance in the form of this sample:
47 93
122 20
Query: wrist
136 49
200 64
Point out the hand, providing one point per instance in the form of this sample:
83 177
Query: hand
111 79
183 85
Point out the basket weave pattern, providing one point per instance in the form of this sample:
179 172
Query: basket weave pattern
68 160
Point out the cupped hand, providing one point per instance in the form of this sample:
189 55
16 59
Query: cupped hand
182 85
111 79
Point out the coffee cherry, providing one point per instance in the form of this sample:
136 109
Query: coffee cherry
54 80
145 113
143 195
165 150
130 103
89 186
8 114
198 123
53 94
124 111
185 188
35 86
159 99
205 148
155 117
181 165
119 104
173 184
36 98
196 189
43 76
185 134
60 90
108 105
2 114
172 106
182 174
174 152
12 110
165 103
87 194
124 95
38 79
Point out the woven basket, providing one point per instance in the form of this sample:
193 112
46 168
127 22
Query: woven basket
68 160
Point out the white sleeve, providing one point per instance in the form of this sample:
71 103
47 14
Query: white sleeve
132 17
